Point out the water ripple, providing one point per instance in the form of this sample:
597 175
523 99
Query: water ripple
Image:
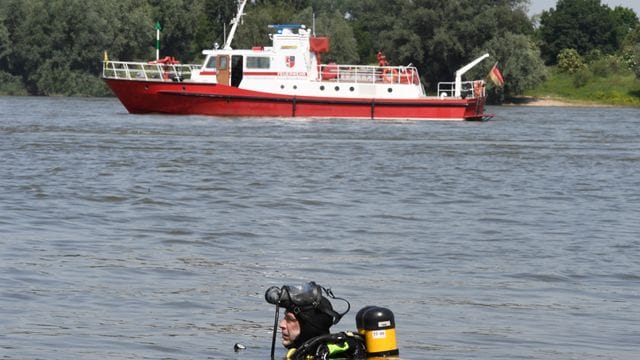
155 236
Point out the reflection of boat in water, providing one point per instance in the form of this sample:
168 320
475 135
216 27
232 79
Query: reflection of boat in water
289 80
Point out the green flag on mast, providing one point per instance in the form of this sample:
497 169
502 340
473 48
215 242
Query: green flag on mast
158 28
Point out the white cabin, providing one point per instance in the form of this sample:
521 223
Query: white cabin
291 66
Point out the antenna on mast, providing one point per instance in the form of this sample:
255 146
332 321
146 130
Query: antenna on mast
234 26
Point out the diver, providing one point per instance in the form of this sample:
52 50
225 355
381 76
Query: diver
305 327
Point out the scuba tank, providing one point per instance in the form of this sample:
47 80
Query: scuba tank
378 328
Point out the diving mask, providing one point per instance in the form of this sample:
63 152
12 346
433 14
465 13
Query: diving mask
298 298
295 296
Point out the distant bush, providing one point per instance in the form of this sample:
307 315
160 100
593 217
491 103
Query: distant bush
631 56
64 81
570 61
11 85
581 77
607 65
593 56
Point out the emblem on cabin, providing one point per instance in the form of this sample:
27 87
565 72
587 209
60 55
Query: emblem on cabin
290 61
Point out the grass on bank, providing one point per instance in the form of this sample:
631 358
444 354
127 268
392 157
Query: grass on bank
617 88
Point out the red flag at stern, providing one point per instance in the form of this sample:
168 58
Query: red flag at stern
496 76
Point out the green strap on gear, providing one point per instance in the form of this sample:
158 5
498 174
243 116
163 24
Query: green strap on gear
337 349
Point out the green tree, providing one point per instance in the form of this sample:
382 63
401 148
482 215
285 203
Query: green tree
261 14
211 21
631 51
583 25
633 56
570 61
126 29
625 21
519 60
56 45
9 84
331 23
179 20
437 36
4 41
369 18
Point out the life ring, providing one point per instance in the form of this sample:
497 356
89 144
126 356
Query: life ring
390 75
477 88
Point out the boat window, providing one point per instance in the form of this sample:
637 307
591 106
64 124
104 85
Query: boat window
211 63
222 62
258 62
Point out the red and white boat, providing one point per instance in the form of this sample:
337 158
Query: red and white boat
288 79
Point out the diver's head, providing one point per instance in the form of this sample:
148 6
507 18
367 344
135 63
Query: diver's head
306 324
289 330
308 313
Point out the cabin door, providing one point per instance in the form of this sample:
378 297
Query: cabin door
236 70
222 70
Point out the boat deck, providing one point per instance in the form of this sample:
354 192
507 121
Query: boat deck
329 73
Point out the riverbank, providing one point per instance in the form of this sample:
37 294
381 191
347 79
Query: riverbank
552 101
584 90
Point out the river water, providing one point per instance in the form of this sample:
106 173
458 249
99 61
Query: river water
154 237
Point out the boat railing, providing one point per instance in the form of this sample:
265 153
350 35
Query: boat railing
468 89
369 74
147 71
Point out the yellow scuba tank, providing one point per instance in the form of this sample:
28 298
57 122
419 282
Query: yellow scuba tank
378 328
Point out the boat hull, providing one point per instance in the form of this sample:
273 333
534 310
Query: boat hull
183 98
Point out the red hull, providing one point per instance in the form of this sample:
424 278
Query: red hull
140 97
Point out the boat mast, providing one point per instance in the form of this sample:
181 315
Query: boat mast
235 21
463 70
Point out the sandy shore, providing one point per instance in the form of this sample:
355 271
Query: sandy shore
549 101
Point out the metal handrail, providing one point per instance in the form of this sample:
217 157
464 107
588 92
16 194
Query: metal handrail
130 70
369 74
467 90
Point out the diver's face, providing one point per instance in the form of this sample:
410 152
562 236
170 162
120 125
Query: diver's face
290 329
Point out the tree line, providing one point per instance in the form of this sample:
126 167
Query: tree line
54 47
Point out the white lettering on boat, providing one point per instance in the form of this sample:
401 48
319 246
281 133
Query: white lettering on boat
292 74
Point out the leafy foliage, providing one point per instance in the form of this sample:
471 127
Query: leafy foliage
437 36
581 77
11 85
632 58
54 47
570 61
606 65
519 60
583 25
631 51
